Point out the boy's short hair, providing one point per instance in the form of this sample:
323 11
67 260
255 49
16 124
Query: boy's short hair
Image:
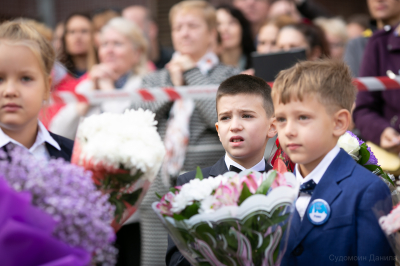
246 84
329 80
203 7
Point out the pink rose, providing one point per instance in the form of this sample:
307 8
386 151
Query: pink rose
227 194
165 203
252 182
280 180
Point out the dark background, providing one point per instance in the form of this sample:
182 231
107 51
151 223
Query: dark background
54 11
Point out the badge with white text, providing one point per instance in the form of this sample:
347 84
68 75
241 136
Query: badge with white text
318 212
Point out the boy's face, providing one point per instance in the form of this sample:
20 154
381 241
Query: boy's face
244 127
306 131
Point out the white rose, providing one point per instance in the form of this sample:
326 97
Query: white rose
349 144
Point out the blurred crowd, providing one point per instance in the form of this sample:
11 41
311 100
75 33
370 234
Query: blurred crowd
113 49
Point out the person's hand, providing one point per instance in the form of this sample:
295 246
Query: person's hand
176 74
185 62
177 66
390 140
102 72
82 108
249 71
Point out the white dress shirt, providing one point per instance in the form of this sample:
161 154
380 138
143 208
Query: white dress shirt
258 167
38 148
316 175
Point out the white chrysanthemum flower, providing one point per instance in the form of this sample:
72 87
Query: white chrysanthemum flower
129 140
349 144
196 190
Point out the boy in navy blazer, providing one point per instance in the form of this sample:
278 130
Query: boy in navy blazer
245 123
334 223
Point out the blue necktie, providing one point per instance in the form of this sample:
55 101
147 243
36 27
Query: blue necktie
308 187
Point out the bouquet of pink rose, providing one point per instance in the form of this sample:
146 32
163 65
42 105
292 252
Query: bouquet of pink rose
231 219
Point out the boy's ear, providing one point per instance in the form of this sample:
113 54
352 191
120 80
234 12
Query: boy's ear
216 127
272 128
342 120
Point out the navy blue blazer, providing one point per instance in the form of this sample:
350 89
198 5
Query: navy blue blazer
352 234
66 146
174 257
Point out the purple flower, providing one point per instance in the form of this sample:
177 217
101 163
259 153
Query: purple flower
67 193
372 159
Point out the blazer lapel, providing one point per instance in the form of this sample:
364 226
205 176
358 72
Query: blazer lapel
267 166
55 154
327 189
219 168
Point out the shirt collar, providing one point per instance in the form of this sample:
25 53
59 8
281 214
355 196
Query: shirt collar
42 136
320 170
258 167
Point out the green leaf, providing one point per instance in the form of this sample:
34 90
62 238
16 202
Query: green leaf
173 190
364 153
131 198
199 174
245 194
384 175
373 167
191 210
178 217
158 195
266 184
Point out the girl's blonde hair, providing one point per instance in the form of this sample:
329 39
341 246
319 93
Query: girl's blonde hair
22 33
131 31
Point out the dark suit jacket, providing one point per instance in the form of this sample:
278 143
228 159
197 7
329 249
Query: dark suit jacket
174 257
66 146
352 230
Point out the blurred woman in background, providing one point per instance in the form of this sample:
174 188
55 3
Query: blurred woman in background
309 37
122 54
236 41
269 32
336 34
78 54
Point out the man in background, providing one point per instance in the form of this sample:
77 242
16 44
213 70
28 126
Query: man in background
256 12
141 16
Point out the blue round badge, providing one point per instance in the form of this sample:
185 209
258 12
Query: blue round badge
318 212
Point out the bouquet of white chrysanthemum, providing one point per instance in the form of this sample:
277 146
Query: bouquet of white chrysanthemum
124 152
231 219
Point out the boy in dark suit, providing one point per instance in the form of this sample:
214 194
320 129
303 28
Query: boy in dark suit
245 123
334 223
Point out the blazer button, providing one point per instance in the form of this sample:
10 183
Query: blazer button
298 250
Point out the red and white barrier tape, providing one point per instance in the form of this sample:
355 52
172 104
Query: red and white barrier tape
194 92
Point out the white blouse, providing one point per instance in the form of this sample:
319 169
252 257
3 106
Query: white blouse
38 148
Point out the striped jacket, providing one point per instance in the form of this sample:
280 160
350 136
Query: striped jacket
204 149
